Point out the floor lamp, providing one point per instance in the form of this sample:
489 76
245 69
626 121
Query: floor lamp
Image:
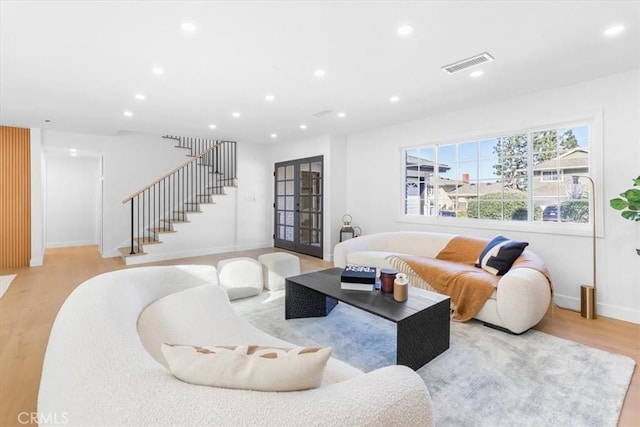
588 292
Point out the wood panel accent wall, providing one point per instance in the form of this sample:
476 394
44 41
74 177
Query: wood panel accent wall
15 197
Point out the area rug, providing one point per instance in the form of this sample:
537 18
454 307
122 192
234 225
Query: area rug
485 378
5 281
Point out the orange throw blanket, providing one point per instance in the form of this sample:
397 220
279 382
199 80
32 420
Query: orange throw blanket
453 273
469 287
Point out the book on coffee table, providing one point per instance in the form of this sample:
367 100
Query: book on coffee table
358 278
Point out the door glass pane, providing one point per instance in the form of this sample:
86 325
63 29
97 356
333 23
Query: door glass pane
280 188
304 220
289 172
289 187
304 203
280 203
289 203
280 173
288 233
304 236
290 218
305 183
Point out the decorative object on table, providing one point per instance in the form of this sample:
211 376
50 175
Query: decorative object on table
387 276
346 232
357 231
358 278
587 292
629 204
401 288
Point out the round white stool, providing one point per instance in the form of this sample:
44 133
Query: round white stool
276 267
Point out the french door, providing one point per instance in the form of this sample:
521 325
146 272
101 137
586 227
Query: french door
298 205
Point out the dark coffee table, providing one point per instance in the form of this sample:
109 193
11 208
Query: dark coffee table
422 322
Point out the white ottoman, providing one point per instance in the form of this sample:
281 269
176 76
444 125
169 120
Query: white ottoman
240 277
277 266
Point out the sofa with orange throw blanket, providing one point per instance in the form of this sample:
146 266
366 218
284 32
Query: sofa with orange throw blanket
515 298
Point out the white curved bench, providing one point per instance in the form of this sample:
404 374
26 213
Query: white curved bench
519 302
97 371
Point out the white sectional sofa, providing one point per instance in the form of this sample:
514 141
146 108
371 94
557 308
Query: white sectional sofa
520 300
103 364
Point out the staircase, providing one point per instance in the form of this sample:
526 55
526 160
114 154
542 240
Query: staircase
174 198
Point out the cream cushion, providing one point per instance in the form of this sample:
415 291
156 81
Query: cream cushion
240 277
248 367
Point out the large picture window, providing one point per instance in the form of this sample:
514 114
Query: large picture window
522 176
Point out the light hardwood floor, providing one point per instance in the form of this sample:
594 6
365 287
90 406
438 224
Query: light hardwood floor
30 305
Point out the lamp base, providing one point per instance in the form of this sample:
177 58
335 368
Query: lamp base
588 302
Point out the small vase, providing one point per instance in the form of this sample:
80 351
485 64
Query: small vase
401 287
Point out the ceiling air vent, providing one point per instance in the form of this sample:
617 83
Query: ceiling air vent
468 63
322 113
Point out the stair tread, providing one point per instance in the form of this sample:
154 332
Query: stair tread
180 146
187 211
161 230
147 240
126 252
174 221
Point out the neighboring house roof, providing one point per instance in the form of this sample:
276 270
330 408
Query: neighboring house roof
576 158
475 190
415 161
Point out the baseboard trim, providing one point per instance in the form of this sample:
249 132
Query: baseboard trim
606 310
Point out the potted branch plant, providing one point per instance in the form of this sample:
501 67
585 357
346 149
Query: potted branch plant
629 203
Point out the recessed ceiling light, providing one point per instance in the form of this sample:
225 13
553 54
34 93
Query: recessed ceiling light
140 97
235 114
270 98
477 73
128 113
319 73
157 71
342 115
212 126
188 27
613 31
303 126
394 99
273 135
405 30
73 150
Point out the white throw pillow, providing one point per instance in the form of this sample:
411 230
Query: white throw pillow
248 367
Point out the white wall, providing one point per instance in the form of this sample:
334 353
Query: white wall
374 183
73 191
37 199
254 197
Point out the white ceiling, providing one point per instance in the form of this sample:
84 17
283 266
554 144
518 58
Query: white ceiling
79 64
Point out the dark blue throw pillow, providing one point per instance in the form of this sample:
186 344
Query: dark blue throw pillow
499 254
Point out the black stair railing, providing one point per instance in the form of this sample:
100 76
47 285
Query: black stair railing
169 199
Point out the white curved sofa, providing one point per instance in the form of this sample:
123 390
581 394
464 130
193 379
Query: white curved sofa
103 364
519 302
